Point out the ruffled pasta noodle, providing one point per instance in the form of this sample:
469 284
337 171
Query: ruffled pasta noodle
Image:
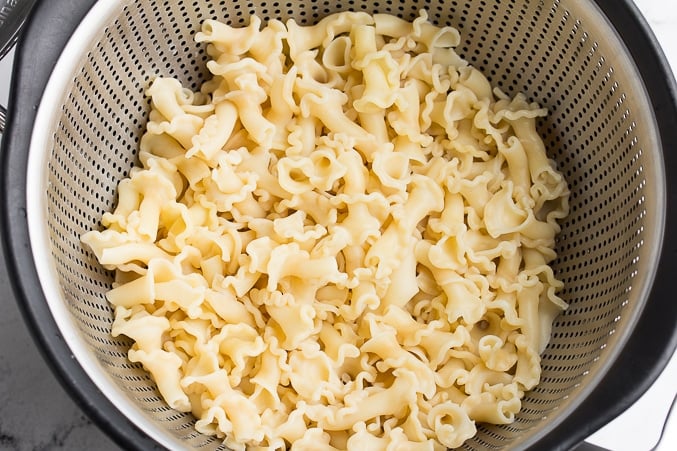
341 242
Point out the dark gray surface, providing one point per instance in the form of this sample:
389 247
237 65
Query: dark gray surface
35 411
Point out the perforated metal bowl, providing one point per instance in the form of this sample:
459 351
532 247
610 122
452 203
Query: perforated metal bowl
611 126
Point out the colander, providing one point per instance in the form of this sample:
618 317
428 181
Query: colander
612 129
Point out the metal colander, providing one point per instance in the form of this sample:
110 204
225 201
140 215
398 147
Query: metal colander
602 130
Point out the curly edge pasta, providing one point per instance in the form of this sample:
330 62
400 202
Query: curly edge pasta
341 241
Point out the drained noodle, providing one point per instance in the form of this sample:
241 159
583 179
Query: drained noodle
342 241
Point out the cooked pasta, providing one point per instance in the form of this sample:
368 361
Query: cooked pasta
342 241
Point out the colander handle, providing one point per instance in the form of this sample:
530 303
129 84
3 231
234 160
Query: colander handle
13 14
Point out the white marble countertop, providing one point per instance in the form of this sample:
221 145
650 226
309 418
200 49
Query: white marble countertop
36 413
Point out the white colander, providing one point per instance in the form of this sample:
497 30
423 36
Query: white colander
612 129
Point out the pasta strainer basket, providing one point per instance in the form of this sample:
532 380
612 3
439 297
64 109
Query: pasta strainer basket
611 128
